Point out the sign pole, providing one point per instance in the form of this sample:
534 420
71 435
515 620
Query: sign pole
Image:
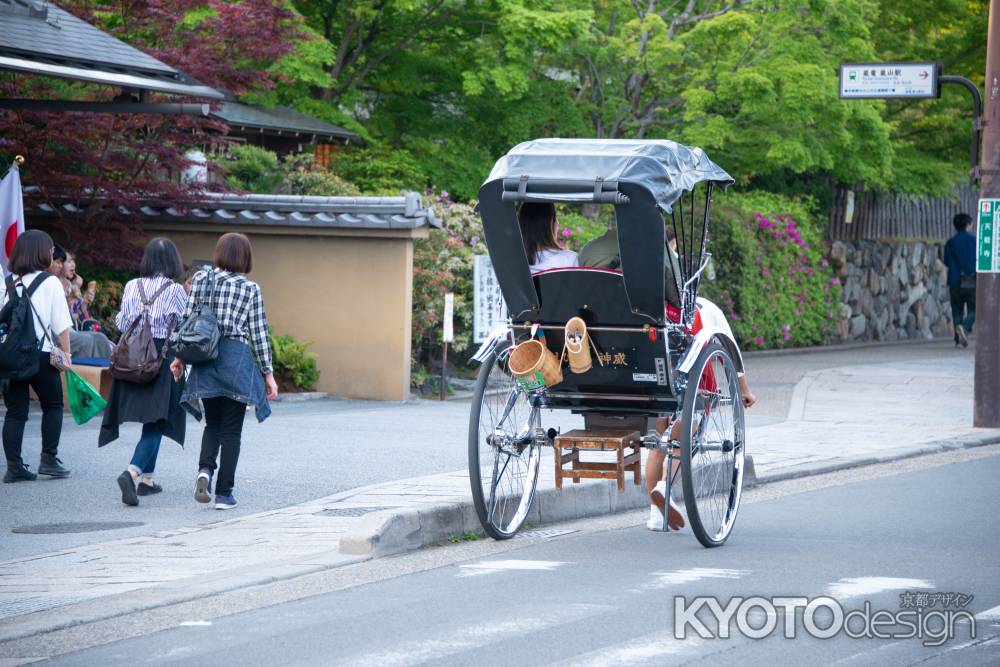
987 379
447 336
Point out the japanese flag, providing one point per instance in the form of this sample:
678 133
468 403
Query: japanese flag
11 214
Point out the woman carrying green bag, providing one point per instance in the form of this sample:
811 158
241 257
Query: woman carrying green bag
155 403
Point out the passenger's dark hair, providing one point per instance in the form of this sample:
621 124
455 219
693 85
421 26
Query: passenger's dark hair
537 229
59 253
671 233
161 258
32 252
233 253
962 221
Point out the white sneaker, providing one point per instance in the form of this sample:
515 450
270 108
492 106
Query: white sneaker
674 516
655 521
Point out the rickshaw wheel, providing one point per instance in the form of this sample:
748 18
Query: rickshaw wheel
503 455
713 446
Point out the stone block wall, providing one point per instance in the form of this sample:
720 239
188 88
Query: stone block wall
892 291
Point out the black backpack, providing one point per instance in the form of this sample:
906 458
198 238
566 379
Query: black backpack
197 338
19 346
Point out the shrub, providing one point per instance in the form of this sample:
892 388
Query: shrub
106 305
773 280
294 367
251 168
301 175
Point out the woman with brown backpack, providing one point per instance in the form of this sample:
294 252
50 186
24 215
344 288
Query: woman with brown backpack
143 389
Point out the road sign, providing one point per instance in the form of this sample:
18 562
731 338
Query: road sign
448 335
987 241
489 308
880 80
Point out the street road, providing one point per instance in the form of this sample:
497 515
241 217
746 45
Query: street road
308 450
606 596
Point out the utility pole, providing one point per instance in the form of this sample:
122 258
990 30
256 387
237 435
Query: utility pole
987 379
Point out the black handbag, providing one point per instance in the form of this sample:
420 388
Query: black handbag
197 338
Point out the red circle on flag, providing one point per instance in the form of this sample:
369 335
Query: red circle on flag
11 238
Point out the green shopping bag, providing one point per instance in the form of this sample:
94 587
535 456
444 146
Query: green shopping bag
84 400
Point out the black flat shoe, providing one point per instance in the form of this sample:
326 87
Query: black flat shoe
52 467
148 489
127 485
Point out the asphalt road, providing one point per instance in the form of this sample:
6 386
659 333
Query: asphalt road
606 597
308 450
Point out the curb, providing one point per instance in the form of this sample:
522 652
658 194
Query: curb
300 396
841 347
391 532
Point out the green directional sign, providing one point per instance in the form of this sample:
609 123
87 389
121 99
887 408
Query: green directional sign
987 243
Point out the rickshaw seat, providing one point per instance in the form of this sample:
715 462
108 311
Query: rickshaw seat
597 295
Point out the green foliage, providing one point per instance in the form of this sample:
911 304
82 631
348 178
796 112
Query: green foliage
107 303
773 281
470 536
258 170
443 263
294 366
252 169
380 170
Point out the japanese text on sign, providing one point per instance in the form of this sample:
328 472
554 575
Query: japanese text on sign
879 80
987 243
490 309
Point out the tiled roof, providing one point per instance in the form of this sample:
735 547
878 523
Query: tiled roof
277 120
405 212
38 37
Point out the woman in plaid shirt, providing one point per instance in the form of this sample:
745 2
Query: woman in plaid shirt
229 383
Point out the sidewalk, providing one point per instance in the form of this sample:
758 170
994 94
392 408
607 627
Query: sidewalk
839 418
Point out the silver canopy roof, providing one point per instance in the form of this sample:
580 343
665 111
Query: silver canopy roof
663 167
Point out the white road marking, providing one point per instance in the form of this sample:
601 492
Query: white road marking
463 638
675 577
491 566
989 615
185 624
645 650
853 587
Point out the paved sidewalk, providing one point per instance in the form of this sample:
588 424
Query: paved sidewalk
838 418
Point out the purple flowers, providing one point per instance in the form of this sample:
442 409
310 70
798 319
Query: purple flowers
759 341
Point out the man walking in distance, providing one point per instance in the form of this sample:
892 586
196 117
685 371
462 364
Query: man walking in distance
960 258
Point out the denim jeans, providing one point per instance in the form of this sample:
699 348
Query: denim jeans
146 450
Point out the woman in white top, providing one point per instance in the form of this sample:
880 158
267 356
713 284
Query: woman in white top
31 257
538 231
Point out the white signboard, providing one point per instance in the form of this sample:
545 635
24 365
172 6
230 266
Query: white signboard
490 309
448 336
879 80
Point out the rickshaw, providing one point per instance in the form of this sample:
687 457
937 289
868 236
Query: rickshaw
659 362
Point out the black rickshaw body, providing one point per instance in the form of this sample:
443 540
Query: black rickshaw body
640 353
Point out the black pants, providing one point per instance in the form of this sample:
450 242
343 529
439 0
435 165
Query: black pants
223 430
963 308
48 387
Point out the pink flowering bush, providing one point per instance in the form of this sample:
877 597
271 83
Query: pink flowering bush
773 280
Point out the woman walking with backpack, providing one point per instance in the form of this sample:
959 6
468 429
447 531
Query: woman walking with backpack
143 390
229 380
32 296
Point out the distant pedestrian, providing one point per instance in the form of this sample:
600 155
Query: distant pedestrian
29 264
960 257
229 383
154 404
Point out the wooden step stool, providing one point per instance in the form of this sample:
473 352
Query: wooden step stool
598 440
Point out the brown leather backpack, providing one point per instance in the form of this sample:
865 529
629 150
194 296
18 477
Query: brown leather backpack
135 358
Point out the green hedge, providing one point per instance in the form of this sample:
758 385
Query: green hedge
772 277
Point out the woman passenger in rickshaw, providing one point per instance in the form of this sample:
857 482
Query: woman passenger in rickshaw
539 230
603 252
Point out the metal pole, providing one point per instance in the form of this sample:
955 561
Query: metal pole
987 382
977 117
444 371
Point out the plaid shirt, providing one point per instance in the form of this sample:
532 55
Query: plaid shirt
240 308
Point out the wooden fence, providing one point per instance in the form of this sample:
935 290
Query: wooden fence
879 215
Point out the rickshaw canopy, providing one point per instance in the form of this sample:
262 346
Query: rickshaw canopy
665 168
641 178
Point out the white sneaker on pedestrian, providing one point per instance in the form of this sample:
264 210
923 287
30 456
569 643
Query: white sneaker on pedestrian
202 487
658 496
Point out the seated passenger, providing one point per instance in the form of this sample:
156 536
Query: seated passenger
603 253
538 231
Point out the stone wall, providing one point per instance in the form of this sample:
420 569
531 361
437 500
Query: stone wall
892 291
